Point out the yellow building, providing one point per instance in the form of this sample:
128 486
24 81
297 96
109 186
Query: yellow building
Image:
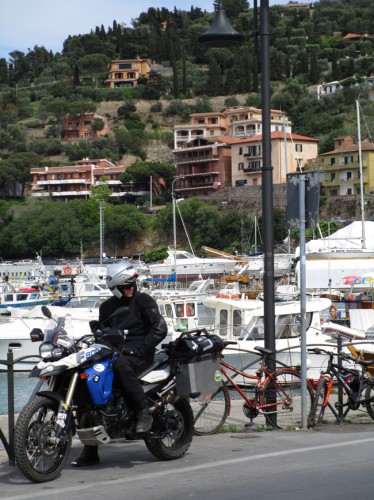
341 168
125 72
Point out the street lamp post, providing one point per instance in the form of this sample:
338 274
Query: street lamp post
222 33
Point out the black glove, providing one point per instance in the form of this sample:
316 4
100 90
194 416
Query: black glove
94 325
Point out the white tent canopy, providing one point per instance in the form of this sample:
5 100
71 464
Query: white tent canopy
348 238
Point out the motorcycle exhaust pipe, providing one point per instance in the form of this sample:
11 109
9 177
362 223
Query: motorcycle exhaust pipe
157 406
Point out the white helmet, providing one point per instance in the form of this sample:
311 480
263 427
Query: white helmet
120 275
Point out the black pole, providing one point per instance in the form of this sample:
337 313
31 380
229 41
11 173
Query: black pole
267 183
10 363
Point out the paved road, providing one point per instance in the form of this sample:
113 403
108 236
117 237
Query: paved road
335 462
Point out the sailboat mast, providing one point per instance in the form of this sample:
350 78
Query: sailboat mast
361 176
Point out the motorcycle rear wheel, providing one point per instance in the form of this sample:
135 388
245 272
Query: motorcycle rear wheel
179 435
39 459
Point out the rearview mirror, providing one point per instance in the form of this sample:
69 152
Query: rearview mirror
36 335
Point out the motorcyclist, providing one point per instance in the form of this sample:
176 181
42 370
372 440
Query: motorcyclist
146 328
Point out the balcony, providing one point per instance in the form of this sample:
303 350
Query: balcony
62 181
196 159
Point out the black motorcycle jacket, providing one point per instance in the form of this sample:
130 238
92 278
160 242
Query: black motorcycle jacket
146 326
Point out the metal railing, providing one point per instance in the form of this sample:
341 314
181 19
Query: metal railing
9 363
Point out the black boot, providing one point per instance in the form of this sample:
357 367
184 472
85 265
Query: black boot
89 456
144 420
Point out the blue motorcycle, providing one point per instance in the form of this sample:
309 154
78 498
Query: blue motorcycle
83 398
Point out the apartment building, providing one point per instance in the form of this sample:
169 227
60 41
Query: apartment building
80 126
73 182
341 168
289 154
205 165
234 122
126 72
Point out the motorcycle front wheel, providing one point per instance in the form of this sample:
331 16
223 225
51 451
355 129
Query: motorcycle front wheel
38 456
179 423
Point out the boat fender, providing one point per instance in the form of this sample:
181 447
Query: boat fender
333 312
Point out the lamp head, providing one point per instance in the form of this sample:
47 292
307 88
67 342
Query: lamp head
221 33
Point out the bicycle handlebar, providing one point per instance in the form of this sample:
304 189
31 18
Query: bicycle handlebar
341 355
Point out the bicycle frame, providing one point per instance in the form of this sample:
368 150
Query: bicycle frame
334 370
261 378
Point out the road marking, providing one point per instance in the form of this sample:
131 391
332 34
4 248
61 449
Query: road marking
183 469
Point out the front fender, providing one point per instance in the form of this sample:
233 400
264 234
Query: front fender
51 395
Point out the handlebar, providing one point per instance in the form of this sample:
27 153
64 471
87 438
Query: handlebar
342 355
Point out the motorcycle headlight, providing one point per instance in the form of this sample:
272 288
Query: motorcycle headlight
57 352
45 351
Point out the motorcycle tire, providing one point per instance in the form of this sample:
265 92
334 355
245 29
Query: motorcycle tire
38 459
179 435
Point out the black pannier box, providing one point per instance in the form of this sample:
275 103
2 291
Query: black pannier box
195 357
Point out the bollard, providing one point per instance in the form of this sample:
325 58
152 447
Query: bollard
340 388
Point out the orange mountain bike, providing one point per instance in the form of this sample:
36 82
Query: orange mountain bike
276 395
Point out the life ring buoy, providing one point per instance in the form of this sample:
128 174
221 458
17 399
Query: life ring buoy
333 311
67 270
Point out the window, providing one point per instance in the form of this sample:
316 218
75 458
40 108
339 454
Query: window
240 166
88 135
87 123
348 159
332 161
298 148
223 323
332 176
240 150
124 66
349 175
118 76
237 322
211 132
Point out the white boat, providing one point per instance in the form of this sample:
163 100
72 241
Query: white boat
182 314
90 284
242 321
23 298
330 261
199 289
15 330
188 266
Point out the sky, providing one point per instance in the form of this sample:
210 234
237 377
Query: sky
26 23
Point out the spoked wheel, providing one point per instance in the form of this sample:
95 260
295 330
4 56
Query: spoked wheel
369 395
210 411
179 421
281 399
39 457
318 408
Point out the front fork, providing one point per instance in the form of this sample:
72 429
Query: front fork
65 409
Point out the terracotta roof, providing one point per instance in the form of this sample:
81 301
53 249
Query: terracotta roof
352 148
278 135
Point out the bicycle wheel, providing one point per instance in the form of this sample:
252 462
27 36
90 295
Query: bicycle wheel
318 409
369 393
210 411
281 399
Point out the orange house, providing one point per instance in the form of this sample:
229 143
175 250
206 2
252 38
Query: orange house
125 72
80 126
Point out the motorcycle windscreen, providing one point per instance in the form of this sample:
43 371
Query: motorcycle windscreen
100 381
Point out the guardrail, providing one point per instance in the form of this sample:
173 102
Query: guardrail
9 363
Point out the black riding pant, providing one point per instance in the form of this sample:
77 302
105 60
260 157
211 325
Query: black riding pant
126 371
